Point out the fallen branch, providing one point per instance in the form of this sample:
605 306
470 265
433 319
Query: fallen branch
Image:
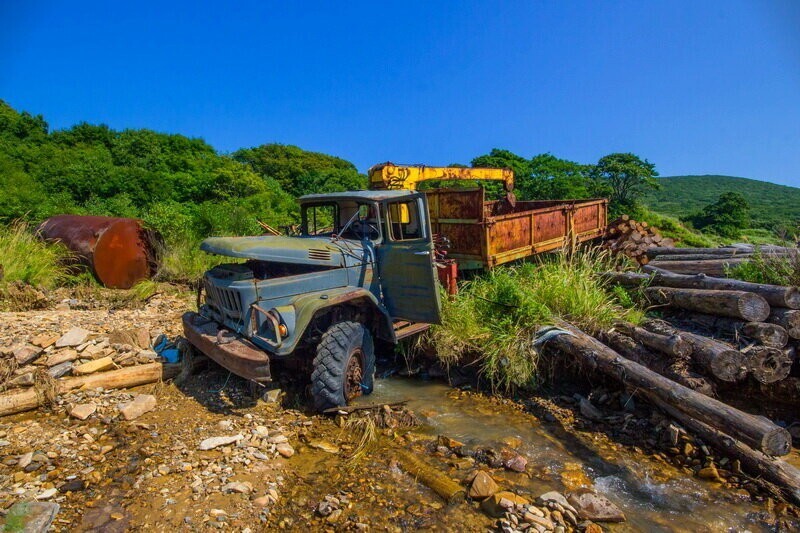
441 484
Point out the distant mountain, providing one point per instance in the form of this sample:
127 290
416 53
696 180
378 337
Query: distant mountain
771 205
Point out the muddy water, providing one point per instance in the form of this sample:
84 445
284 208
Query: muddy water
654 496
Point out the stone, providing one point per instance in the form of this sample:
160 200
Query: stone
590 411
500 502
592 506
25 459
285 449
238 487
23 380
589 527
710 472
74 337
539 520
325 446
141 404
555 497
105 363
26 353
263 501
36 517
44 340
83 411
483 486
215 442
73 485
513 461
60 370
277 439
47 494
272 395
62 356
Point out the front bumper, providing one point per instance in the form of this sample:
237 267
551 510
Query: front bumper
227 348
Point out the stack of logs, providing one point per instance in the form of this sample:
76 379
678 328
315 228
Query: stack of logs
730 331
711 261
629 237
722 343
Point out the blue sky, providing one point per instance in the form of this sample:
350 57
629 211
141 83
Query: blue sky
696 87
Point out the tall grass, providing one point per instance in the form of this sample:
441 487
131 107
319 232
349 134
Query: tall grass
26 259
770 269
492 320
184 262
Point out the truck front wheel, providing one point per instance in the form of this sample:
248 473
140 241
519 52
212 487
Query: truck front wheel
344 366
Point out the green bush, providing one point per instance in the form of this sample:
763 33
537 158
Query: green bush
770 269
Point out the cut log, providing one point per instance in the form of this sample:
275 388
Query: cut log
715 358
757 432
714 267
438 482
735 304
775 295
626 279
766 364
768 334
760 467
717 252
674 369
671 345
789 319
27 400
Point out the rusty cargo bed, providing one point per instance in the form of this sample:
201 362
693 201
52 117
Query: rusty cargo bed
486 234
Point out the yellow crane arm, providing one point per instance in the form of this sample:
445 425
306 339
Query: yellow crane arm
391 176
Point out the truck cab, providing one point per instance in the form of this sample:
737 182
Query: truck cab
361 271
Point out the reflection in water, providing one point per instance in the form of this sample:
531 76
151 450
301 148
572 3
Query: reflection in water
654 496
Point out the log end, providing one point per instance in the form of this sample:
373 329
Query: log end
777 441
729 365
753 308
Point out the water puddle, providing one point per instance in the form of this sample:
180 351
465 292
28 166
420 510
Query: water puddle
654 496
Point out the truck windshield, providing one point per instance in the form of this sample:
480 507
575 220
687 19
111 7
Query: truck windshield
347 219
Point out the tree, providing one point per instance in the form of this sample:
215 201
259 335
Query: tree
726 217
626 176
554 178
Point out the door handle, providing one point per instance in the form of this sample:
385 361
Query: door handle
426 252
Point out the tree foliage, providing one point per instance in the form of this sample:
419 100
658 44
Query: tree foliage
626 177
726 217
301 172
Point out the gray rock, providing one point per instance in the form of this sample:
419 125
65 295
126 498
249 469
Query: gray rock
60 370
238 487
590 411
214 442
36 516
26 353
74 337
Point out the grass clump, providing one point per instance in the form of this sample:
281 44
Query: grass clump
493 319
767 268
26 259
184 262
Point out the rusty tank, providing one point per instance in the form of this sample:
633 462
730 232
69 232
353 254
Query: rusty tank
119 251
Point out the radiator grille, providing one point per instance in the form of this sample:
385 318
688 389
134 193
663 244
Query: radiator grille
227 301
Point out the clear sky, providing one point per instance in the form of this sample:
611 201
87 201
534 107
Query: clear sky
696 87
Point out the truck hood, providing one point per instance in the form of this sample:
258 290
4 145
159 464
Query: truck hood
282 249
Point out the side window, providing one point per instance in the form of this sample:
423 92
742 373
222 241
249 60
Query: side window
404 221
321 219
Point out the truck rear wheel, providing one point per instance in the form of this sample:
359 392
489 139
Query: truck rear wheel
344 367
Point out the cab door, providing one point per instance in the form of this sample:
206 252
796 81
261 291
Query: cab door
406 262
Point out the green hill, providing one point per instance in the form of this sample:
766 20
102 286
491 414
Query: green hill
771 205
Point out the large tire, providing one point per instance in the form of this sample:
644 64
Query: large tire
344 366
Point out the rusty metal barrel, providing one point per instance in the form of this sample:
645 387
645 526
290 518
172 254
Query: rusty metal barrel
119 251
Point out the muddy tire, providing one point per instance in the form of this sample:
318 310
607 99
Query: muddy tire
344 366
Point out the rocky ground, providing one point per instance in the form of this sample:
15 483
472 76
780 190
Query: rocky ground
205 454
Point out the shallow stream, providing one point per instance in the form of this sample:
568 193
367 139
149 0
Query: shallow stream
654 496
